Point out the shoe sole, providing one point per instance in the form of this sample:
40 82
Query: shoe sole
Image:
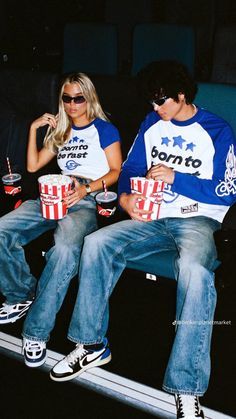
76 374
35 364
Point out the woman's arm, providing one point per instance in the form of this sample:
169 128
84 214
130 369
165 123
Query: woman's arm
37 159
114 158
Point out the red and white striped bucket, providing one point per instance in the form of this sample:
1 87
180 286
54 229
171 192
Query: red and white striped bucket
153 191
53 189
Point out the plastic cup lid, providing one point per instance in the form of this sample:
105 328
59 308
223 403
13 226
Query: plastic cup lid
14 177
109 196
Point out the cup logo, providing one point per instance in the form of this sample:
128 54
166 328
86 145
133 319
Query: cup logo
12 190
106 212
156 197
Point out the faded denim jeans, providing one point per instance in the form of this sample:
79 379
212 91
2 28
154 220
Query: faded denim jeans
188 369
17 284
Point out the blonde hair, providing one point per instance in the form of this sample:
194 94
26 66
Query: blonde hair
58 136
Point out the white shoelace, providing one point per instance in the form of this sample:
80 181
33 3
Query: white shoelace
7 307
188 405
30 345
76 354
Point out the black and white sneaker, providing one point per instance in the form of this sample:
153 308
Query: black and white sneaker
188 407
80 359
35 352
9 313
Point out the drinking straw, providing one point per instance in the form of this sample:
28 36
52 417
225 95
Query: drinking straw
9 166
104 188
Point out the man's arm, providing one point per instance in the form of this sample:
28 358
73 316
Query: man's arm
221 188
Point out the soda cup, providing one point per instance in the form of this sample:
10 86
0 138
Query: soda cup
53 188
106 203
12 187
153 192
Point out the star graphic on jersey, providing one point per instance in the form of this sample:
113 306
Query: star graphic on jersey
190 146
82 141
178 141
165 140
73 140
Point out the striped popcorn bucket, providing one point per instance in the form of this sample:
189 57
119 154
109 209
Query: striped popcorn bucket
153 191
53 189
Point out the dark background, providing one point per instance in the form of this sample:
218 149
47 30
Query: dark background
31 31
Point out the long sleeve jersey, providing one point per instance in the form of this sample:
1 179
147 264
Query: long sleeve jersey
201 151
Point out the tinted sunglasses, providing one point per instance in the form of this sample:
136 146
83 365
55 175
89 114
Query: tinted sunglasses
159 102
76 99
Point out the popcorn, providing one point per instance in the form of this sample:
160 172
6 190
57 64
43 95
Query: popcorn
153 191
53 189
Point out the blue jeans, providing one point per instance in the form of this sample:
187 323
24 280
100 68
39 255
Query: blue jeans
188 369
17 284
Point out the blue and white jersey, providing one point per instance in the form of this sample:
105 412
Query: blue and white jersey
83 154
201 151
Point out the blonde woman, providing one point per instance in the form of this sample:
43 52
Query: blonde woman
87 147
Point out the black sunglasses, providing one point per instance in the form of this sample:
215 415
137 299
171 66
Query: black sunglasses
159 102
76 99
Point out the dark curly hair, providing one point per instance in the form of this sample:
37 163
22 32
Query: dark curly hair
167 78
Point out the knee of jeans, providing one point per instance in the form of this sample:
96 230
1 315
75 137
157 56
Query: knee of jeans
64 250
95 238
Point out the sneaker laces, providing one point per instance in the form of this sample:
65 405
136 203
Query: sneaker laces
187 405
76 354
7 308
31 345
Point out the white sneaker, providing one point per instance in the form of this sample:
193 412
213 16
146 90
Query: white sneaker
9 313
80 359
188 407
35 352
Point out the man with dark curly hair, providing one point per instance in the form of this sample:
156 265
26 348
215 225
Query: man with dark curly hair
193 152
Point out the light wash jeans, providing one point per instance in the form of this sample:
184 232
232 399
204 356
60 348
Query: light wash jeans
17 284
188 369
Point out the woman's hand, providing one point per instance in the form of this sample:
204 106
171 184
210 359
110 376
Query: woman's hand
129 203
45 119
75 194
36 159
161 172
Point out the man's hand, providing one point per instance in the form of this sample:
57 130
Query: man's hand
129 203
161 172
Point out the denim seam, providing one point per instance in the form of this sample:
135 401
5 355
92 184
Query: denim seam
198 352
67 276
203 335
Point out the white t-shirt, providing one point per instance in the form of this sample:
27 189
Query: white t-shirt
83 154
